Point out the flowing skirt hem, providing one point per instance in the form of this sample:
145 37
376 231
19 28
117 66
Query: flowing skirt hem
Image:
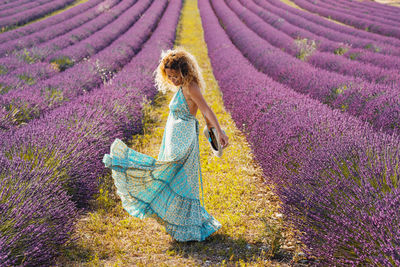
151 188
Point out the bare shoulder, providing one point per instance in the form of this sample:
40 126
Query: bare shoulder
194 88
195 94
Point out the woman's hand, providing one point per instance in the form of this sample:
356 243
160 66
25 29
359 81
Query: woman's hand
223 139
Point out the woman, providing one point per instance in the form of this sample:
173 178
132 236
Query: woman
167 189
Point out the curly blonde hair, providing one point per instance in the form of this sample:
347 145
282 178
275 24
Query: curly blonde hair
182 61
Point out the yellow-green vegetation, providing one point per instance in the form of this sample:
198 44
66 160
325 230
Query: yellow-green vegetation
62 63
75 3
27 79
292 4
4 88
253 231
19 111
3 69
307 47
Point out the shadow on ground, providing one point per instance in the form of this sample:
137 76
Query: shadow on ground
220 248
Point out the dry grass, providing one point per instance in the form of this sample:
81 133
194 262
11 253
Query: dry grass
75 3
253 231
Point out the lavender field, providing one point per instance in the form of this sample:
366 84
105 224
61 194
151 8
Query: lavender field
59 117
323 129
313 84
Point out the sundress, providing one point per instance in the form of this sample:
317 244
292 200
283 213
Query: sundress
166 188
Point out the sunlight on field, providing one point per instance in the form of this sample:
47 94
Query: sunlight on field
290 3
389 2
77 2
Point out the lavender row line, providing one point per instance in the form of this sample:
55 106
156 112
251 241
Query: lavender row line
295 139
364 9
303 50
373 4
334 26
13 4
43 24
94 121
51 46
377 104
31 14
3 2
56 30
22 8
22 106
350 20
375 48
100 39
355 12
105 27
26 76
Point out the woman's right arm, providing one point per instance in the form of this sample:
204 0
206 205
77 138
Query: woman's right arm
207 112
207 121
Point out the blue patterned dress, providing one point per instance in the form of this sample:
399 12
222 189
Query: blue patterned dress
166 189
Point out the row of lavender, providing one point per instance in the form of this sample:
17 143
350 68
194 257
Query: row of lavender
51 21
24 68
31 14
57 29
124 48
336 176
377 15
3 2
330 37
376 103
58 37
374 5
57 159
12 4
25 103
334 26
19 6
282 37
350 19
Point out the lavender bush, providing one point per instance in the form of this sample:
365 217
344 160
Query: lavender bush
295 138
22 7
10 4
391 9
50 47
306 50
31 14
44 96
364 9
377 104
358 23
355 12
332 25
72 139
53 20
54 30
328 40
36 213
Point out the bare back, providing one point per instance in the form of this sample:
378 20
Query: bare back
192 105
